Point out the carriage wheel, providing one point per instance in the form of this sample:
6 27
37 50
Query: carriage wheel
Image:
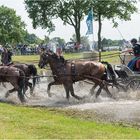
134 85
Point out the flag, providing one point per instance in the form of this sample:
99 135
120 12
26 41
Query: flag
89 22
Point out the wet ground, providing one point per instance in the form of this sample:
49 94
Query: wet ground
126 107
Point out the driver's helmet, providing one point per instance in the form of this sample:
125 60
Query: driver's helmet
134 40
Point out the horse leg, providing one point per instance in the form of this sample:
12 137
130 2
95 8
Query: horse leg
19 87
31 87
21 96
103 85
93 89
3 84
9 91
67 92
99 91
22 99
108 92
49 87
72 92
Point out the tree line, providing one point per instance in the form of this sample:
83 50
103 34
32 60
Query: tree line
72 12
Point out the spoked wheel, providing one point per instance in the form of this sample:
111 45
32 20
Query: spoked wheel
115 89
134 85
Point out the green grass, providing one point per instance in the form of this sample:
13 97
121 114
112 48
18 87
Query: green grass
112 57
26 58
35 58
18 122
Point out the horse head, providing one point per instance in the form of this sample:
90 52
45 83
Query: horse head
43 60
50 58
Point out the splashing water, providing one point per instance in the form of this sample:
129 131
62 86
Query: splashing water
125 108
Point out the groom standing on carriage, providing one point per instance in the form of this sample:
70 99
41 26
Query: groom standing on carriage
134 62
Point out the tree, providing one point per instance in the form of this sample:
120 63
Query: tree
11 26
112 9
59 40
46 40
70 12
84 40
31 39
104 43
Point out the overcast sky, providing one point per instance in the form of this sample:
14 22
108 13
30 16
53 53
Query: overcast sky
128 29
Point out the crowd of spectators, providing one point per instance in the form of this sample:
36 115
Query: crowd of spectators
23 49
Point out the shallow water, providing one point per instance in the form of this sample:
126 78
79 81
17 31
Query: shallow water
126 107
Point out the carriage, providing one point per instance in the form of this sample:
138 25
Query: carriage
124 76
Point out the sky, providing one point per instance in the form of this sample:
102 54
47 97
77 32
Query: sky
126 29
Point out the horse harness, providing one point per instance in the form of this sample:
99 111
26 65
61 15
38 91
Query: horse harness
73 71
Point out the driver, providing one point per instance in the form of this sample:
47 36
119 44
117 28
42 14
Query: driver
136 52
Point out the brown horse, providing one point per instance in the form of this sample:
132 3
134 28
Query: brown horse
16 77
29 70
69 72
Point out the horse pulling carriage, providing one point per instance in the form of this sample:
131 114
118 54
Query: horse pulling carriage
102 75
68 72
18 75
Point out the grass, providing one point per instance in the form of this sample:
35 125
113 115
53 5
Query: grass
112 57
35 58
18 122
26 58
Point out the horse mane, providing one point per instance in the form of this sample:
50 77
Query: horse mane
56 57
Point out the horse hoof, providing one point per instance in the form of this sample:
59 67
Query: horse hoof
23 101
81 98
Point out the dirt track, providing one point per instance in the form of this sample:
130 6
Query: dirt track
125 108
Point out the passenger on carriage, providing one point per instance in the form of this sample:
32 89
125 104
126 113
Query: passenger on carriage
134 63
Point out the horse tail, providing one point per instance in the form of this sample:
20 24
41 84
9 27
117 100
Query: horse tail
33 72
21 83
110 71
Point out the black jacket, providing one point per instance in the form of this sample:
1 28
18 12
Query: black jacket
136 49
